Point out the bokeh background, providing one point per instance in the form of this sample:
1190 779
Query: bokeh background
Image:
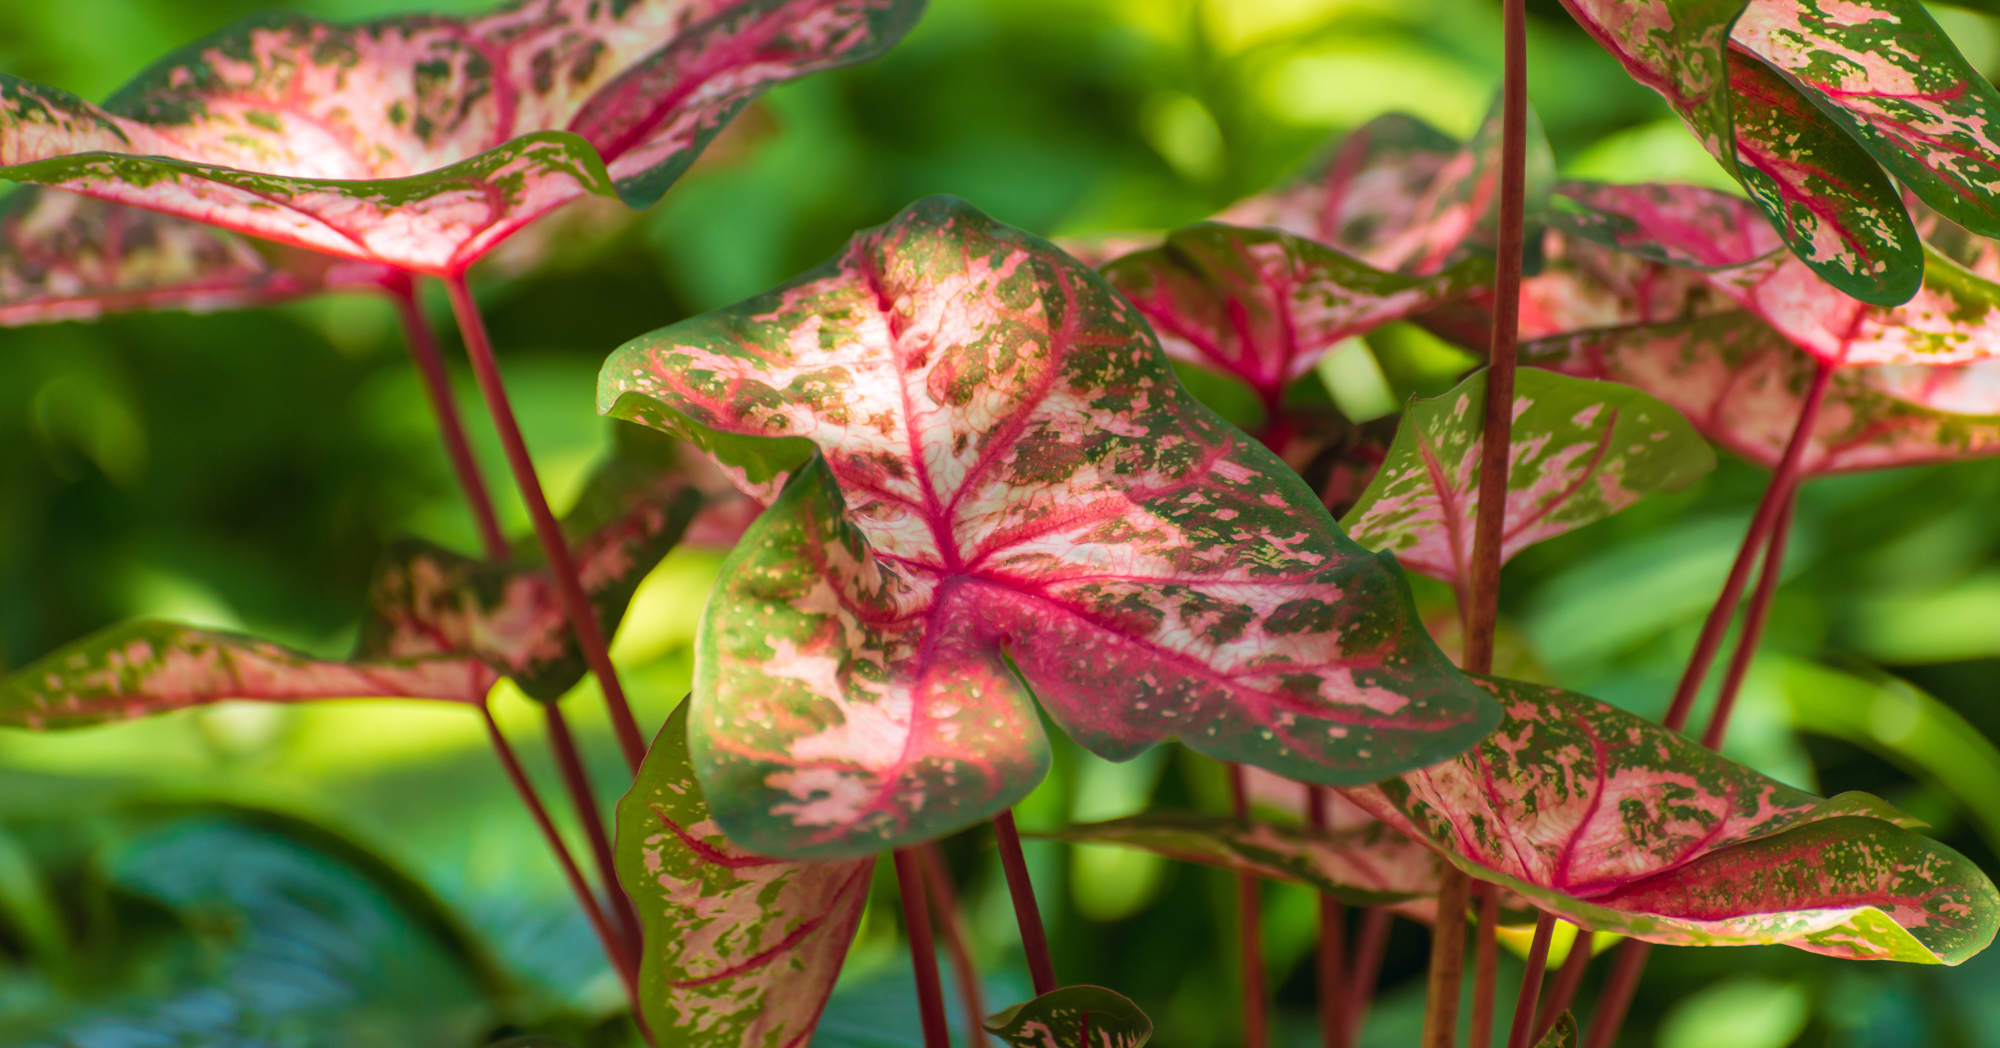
359 874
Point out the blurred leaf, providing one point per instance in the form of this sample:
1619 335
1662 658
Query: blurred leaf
1742 1013
1074 1017
1562 1034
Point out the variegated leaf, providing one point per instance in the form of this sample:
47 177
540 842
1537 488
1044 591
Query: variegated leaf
1617 824
421 142
1265 306
1743 386
1009 469
1370 866
64 256
740 949
1581 451
1074 1017
1889 76
138 669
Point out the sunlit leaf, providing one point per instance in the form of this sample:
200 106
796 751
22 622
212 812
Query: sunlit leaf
1010 469
1370 866
1743 385
1264 306
423 141
1581 451
739 949
1617 824
1074 1017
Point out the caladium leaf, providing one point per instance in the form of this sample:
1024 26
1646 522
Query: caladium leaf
64 256
1884 72
421 141
1581 451
1074 1017
1009 468
1743 385
1618 824
1370 866
1264 306
740 949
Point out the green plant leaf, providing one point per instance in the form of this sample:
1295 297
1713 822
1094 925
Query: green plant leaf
1370 866
1562 1034
423 141
1074 1017
1617 824
1265 306
740 949
1581 451
1743 385
1010 471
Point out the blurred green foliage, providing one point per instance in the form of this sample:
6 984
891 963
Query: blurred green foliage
210 876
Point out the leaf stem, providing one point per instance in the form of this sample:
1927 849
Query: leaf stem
1485 965
1568 978
944 906
1447 970
1330 979
1531 982
576 606
1754 618
923 948
437 386
1617 994
1370 944
1034 941
1776 493
1249 926
576 779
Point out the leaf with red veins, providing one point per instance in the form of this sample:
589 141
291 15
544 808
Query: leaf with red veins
64 256
1885 73
740 949
1681 225
421 142
1265 306
142 668
1009 470
1743 386
1581 451
1617 824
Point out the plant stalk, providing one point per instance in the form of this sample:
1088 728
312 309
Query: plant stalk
437 386
576 779
1370 944
1531 982
576 606
1485 965
1330 978
1249 927
923 948
944 907
1617 995
1447 970
1754 618
1563 990
1027 913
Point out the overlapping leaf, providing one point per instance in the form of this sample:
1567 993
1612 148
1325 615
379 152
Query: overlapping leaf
1263 305
739 949
1074 1017
422 141
1581 451
1617 824
1009 469
1743 385
1370 866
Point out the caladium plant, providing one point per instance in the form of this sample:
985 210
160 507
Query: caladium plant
1581 451
1074 1017
1615 823
421 142
740 949
981 457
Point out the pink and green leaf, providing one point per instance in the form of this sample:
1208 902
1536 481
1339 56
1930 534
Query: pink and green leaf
1581 451
421 142
739 949
1006 470
1073 1017
1265 306
1617 824
1743 385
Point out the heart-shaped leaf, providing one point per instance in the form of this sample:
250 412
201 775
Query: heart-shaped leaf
1886 74
421 141
1265 306
1743 385
1370 866
1618 824
1010 471
740 949
1828 200
1581 451
1074 1017
1953 319
64 256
